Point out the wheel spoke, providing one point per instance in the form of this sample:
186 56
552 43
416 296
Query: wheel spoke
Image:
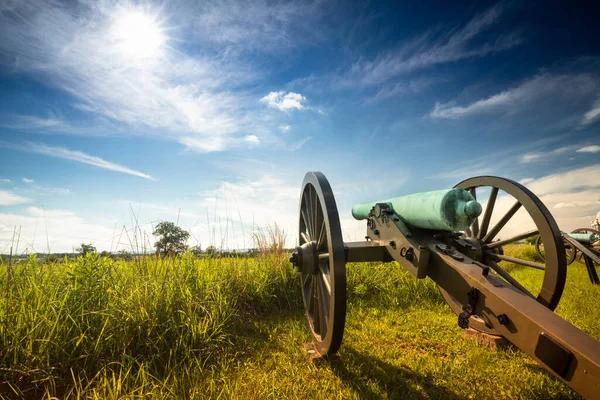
325 278
323 307
485 222
315 305
468 232
322 237
306 225
500 271
323 256
509 214
309 210
475 225
306 280
517 261
305 237
515 238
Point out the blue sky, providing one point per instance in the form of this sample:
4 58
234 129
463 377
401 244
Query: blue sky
116 114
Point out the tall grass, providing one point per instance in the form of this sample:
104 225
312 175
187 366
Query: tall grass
67 325
188 327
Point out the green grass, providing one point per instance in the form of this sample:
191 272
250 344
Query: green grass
234 328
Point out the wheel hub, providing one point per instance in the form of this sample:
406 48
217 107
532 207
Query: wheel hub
306 258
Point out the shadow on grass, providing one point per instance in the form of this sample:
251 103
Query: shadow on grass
373 378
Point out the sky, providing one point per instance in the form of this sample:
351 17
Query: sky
116 115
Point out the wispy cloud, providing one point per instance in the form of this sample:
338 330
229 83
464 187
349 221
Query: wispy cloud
431 49
77 156
252 139
593 114
589 149
283 101
538 87
10 199
27 180
285 128
31 122
539 156
300 143
191 99
5 181
569 181
257 26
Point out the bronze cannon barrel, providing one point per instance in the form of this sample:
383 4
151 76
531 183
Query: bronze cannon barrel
448 210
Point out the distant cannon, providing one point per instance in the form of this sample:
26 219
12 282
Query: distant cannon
440 235
582 243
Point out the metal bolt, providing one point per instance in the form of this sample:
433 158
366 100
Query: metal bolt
392 243
503 319
410 254
376 231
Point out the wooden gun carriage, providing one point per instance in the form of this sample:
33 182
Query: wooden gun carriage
582 244
440 235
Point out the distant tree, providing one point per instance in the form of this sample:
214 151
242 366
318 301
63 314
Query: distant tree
125 255
197 250
105 254
85 249
171 238
210 250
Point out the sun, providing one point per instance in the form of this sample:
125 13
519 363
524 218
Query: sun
137 35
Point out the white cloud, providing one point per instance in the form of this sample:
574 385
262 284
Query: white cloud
573 198
593 114
65 229
429 50
11 199
569 181
539 87
284 101
5 181
66 154
589 149
252 139
285 128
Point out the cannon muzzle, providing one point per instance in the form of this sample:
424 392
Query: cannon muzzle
447 210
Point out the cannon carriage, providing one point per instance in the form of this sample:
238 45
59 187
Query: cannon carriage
583 244
440 235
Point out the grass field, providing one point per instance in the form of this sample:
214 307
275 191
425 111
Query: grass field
234 328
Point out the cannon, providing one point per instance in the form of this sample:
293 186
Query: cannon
448 236
582 244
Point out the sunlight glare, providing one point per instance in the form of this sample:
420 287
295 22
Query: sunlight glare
138 35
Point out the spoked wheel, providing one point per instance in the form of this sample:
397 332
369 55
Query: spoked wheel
321 260
571 252
482 234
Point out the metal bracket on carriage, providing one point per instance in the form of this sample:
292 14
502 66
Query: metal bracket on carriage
463 317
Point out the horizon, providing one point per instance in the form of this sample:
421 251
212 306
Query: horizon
116 115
